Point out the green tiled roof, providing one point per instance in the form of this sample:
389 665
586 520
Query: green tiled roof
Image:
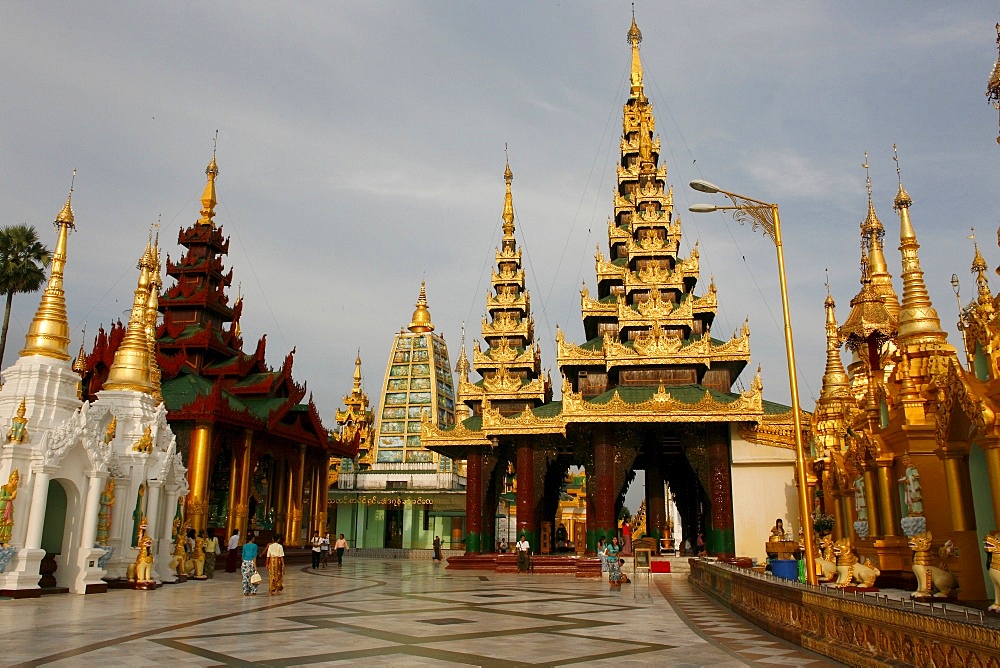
255 378
474 423
186 387
188 332
596 343
772 408
262 408
688 394
549 410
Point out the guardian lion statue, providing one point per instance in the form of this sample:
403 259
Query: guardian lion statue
931 580
826 561
991 543
849 569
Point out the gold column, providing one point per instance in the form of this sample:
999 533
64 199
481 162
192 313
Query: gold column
323 493
992 451
295 499
292 529
279 489
871 502
234 481
243 502
199 467
889 508
959 486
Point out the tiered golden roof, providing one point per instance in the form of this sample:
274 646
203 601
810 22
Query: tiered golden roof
645 312
48 334
357 420
511 363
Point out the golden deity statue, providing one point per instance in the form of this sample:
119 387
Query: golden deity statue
8 493
143 566
18 432
145 442
198 557
111 431
104 514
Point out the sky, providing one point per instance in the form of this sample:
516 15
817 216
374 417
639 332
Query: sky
361 149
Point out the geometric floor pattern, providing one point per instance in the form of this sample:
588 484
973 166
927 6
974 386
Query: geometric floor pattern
391 613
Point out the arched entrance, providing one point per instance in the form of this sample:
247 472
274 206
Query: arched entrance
60 535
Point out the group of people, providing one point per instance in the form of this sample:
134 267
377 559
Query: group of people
320 548
275 560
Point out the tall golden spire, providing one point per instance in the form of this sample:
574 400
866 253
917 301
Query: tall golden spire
508 205
421 321
979 267
835 380
357 374
131 368
151 317
634 37
208 200
873 235
918 321
48 334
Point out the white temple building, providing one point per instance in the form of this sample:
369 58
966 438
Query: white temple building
62 524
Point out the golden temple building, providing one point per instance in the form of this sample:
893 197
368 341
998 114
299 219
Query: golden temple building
650 389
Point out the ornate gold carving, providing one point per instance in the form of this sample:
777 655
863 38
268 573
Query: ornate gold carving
18 432
503 382
655 342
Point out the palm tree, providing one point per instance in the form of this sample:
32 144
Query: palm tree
23 259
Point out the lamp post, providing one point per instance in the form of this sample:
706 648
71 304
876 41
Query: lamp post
765 215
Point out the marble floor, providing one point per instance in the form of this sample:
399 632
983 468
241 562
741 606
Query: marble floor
393 613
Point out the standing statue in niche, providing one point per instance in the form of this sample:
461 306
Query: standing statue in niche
859 499
111 431
8 493
137 515
18 432
145 442
104 514
911 481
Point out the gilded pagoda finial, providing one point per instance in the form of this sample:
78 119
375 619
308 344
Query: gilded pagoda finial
421 321
874 265
917 318
152 314
80 364
357 373
835 380
993 86
979 267
462 366
208 200
48 334
508 202
131 368
634 38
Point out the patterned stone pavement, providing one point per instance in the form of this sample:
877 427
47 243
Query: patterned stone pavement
395 613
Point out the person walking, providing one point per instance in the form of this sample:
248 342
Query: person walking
275 566
324 549
341 547
249 567
437 548
317 547
211 552
232 553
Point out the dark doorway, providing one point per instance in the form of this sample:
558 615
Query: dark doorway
394 527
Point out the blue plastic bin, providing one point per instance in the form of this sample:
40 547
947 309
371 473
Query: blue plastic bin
787 569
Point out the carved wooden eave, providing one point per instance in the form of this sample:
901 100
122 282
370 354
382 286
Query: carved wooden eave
632 172
663 350
609 271
663 407
707 303
653 278
633 146
776 430
652 246
508 325
507 301
493 357
507 277
506 255
593 308
617 234
959 391
654 309
503 390
525 422
458 434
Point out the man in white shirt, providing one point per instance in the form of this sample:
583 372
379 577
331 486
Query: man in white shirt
233 557
523 550
317 544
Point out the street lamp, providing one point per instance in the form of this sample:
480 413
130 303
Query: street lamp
765 215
